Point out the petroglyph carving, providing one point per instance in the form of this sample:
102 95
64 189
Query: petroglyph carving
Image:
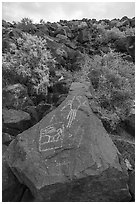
73 111
70 135
51 137
52 118
69 103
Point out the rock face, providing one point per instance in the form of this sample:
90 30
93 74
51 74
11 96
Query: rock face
16 97
6 138
126 147
126 44
68 156
132 184
130 122
83 36
15 121
12 190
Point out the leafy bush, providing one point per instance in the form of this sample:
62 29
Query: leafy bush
29 64
107 36
130 31
114 34
113 81
26 25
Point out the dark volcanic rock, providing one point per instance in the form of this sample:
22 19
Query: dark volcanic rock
84 36
62 38
68 155
132 22
32 110
42 108
126 147
15 121
120 45
126 45
6 138
131 184
16 97
27 196
130 123
12 190
130 45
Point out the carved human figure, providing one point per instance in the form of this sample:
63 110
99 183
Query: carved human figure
73 111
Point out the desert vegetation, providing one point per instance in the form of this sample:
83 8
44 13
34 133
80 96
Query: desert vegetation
41 60
102 52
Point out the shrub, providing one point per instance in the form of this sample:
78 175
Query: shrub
29 64
114 34
107 36
26 25
130 31
113 81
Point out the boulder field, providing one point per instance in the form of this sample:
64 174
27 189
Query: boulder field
68 155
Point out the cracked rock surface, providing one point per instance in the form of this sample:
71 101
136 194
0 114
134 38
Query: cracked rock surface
68 155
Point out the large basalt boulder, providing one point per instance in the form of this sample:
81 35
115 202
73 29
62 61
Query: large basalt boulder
58 50
12 190
130 123
125 22
84 36
127 45
113 23
67 31
32 111
82 25
16 97
130 45
68 155
120 45
15 121
62 37
132 22
60 31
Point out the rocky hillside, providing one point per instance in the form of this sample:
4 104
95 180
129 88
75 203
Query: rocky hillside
41 61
